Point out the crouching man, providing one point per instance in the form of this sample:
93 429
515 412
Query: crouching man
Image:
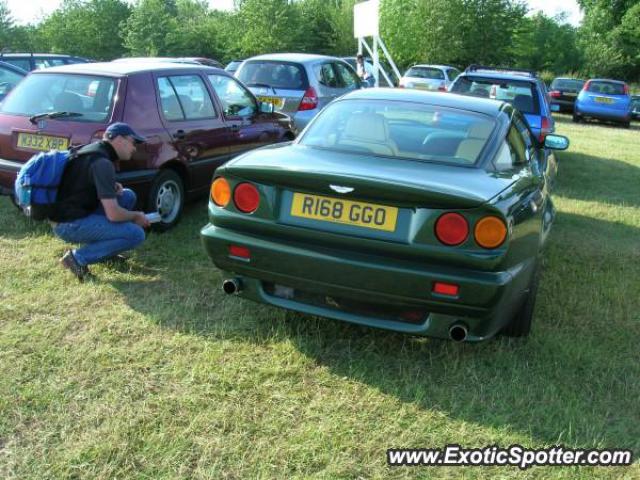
94 210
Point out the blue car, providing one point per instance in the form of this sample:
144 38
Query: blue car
521 88
604 99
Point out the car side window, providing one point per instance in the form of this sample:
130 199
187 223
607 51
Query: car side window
452 73
235 99
327 76
23 63
185 97
349 78
517 145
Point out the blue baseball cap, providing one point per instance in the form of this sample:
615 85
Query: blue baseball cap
121 128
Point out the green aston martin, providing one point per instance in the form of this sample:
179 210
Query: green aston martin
416 212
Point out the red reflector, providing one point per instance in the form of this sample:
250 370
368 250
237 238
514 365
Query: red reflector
446 289
246 197
238 251
554 94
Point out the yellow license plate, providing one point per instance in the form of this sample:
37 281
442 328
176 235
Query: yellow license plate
346 212
35 141
276 101
603 100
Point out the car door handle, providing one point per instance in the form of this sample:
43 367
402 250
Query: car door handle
179 135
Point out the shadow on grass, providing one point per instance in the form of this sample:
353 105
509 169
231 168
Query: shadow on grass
573 382
589 178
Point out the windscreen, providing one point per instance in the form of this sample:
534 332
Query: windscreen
519 93
285 75
425 72
567 84
89 98
607 88
401 130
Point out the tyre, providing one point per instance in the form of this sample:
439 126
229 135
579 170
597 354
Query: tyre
520 325
626 124
167 198
576 118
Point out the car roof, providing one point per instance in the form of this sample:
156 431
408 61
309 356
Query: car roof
500 76
51 55
125 68
429 65
620 82
451 100
568 78
293 57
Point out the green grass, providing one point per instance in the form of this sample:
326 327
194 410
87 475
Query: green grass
150 372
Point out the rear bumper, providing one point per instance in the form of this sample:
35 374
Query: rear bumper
564 104
329 283
602 113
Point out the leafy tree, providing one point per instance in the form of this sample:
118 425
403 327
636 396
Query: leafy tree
151 28
87 28
6 25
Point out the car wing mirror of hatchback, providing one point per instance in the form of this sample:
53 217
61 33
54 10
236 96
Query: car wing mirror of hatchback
266 107
556 142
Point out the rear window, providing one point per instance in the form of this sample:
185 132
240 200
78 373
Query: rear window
401 130
521 94
23 63
607 88
285 75
89 98
425 72
567 84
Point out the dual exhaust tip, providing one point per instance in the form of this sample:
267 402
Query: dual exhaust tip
457 332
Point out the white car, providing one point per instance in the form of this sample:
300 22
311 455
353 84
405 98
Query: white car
429 77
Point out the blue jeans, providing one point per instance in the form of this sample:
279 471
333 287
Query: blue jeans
101 237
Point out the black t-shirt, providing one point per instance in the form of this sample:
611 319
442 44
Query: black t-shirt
88 177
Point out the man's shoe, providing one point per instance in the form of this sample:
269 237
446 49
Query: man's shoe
69 262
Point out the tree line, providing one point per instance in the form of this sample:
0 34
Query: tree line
455 32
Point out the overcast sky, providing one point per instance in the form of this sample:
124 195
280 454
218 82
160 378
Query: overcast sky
31 11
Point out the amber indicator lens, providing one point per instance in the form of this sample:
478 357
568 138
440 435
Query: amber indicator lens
220 192
490 232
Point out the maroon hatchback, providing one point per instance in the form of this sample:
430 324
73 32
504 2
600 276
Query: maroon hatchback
194 117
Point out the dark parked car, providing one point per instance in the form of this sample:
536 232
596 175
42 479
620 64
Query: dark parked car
194 117
411 211
10 75
521 88
604 99
36 61
563 93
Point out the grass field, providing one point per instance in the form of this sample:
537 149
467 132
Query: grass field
150 372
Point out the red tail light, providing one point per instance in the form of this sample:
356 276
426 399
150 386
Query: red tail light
586 86
545 128
626 89
452 229
554 93
442 87
246 198
309 100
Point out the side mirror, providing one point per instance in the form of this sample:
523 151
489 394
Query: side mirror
556 142
266 107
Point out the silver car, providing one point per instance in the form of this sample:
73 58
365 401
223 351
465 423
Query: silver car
297 84
429 77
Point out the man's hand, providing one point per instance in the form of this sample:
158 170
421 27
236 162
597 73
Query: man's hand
119 188
141 219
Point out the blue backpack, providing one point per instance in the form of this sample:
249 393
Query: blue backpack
37 183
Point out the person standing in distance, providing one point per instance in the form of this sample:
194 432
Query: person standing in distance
93 209
364 71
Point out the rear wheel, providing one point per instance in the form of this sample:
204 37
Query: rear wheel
626 124
520 325
167 198
576 118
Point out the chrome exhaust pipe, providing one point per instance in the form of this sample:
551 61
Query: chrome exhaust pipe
232 286
458 332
